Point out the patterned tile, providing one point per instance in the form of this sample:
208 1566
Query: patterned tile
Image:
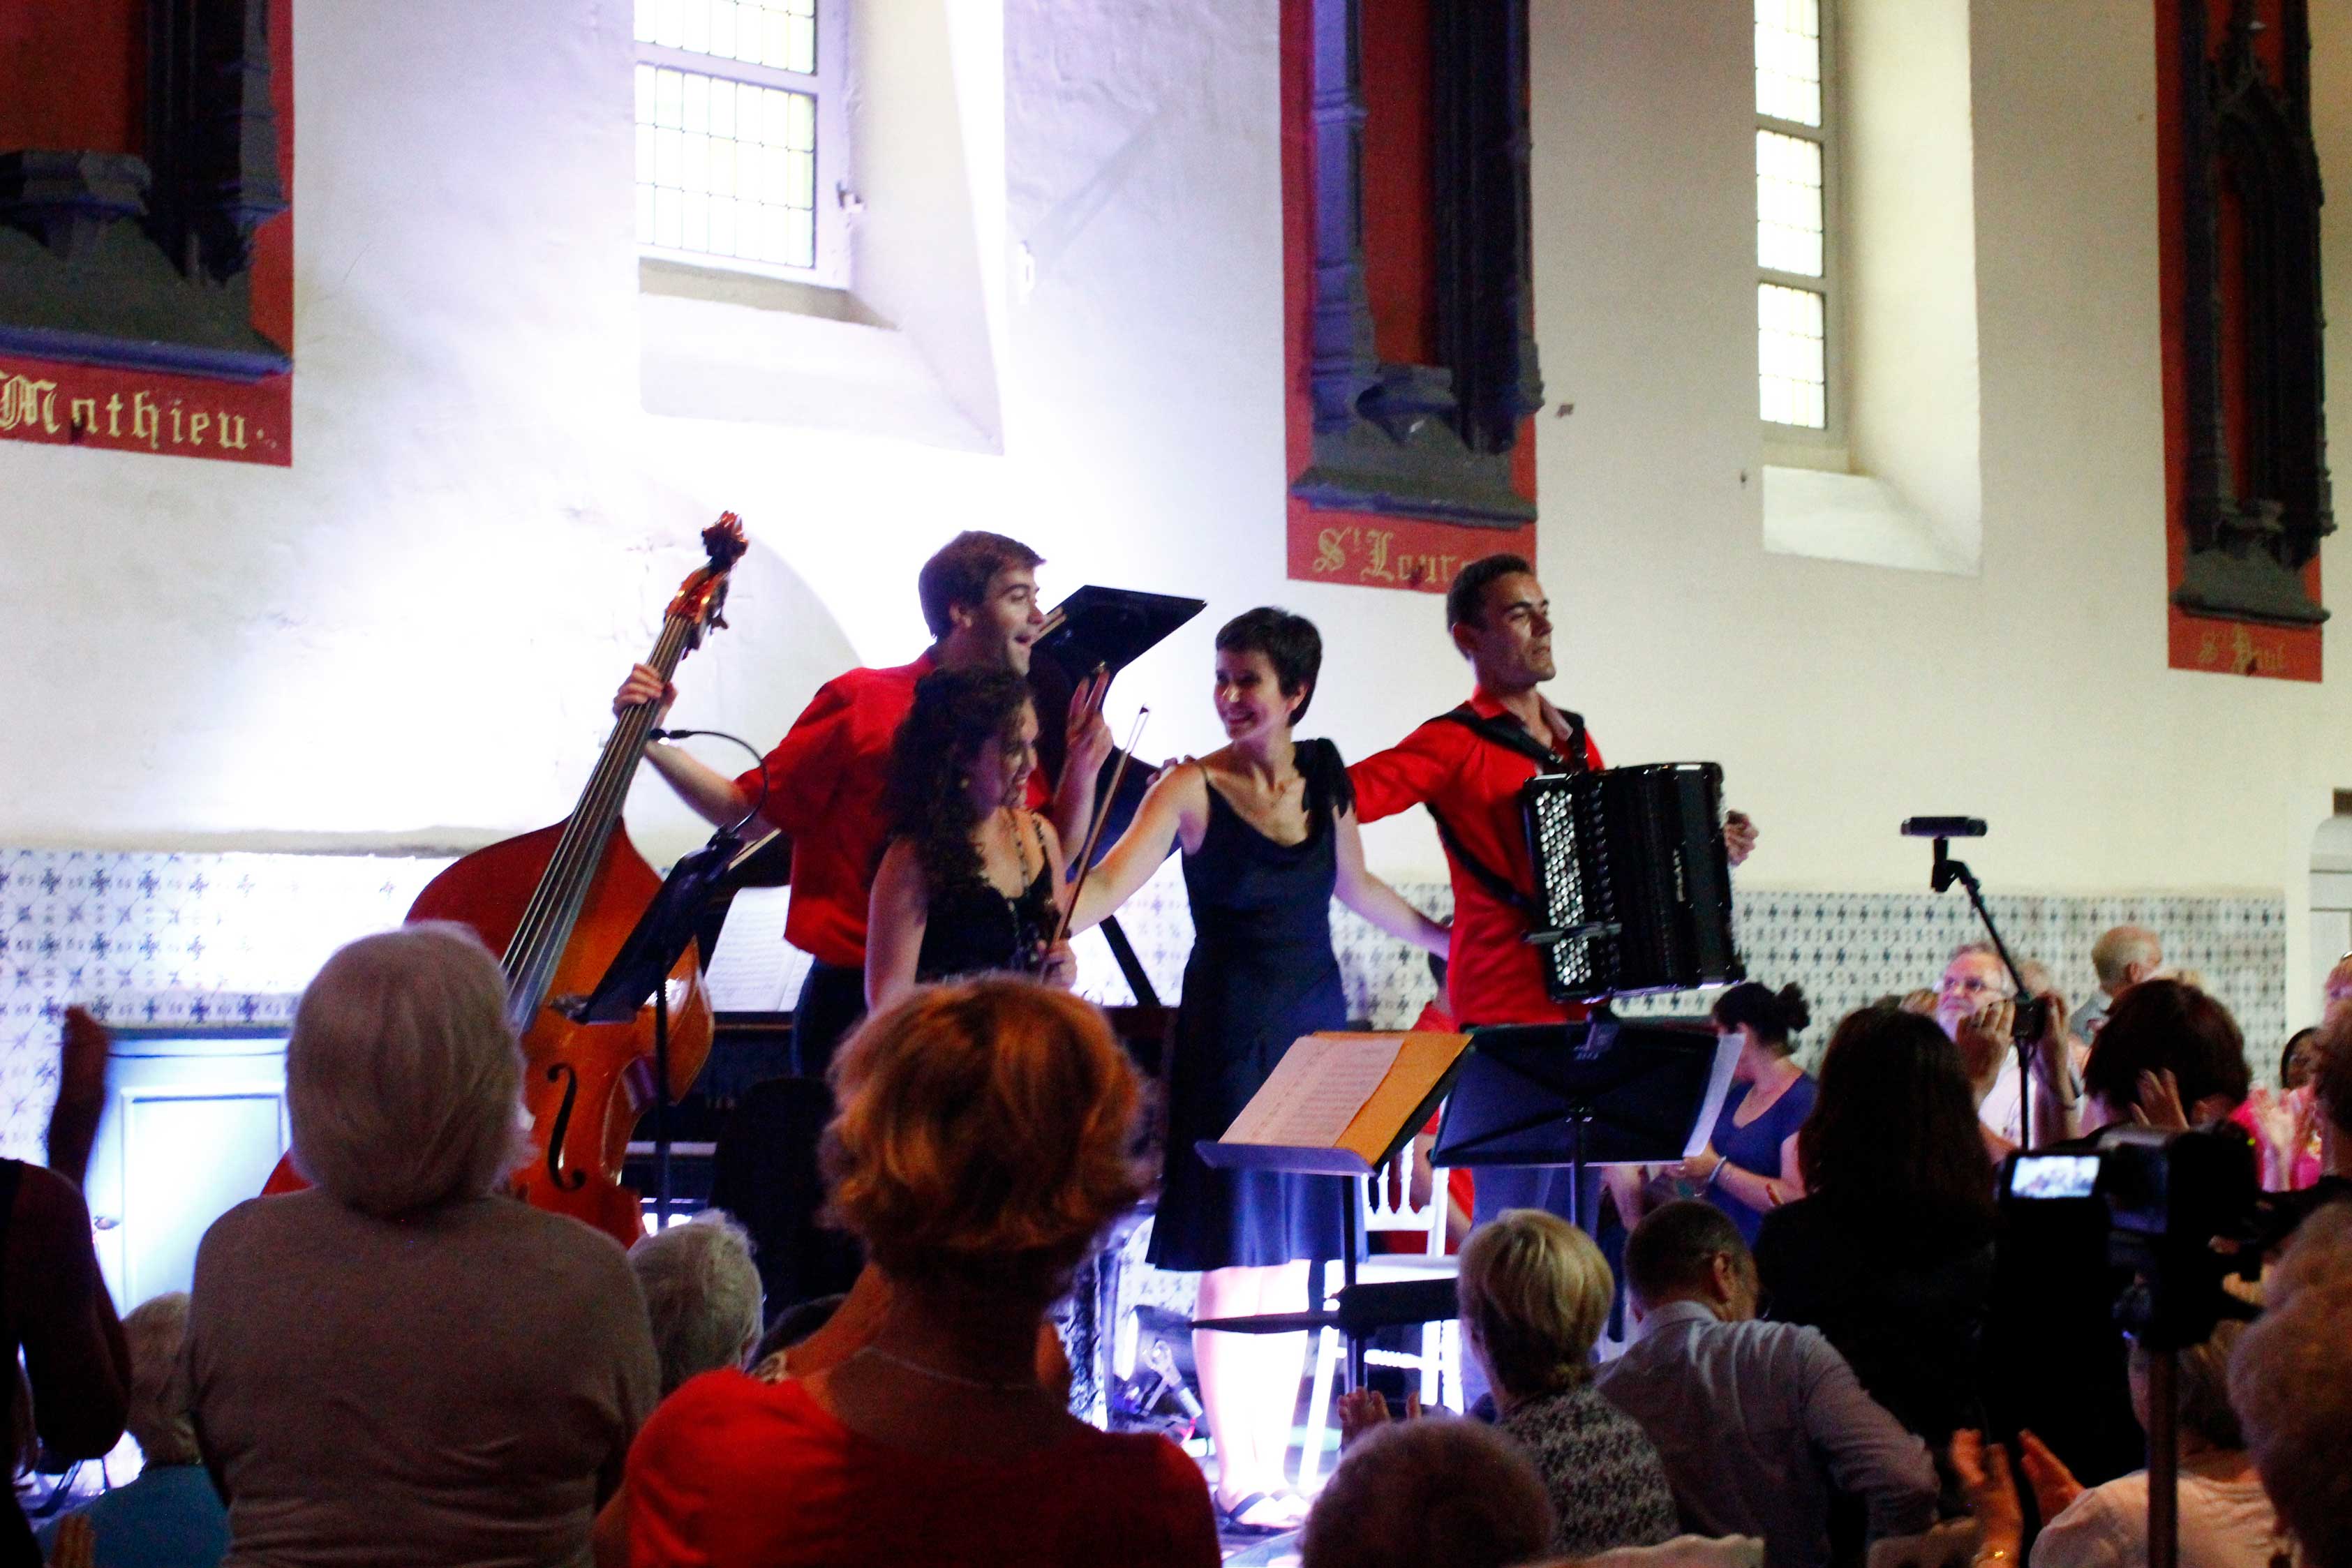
167 938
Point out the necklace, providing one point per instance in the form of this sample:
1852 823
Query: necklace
1021 1386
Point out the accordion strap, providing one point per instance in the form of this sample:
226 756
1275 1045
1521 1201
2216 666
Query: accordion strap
1502 732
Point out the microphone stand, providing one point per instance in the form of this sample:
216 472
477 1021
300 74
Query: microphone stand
1946 871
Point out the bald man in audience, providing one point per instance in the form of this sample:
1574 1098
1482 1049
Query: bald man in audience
2122 957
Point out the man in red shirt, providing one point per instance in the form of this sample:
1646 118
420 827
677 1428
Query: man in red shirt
1500 620
826 779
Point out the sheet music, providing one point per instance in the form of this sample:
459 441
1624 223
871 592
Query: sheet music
1719 1088
751 970
1315 1091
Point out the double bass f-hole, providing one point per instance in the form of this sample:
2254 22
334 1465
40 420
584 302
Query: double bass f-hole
563 1072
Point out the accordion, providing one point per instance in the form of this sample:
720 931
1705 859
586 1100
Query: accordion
1633 881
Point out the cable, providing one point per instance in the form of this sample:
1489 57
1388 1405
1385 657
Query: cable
759 760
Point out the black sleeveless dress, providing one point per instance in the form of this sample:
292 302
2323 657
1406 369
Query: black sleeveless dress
972 928
1261 974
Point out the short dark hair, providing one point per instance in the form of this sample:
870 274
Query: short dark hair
2164 1026
1290 643
1773 1015
1894 1132
1675 1247
1465 596
963 569
2294 1044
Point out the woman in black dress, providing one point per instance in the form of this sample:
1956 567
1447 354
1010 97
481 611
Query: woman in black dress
1268 830
967 883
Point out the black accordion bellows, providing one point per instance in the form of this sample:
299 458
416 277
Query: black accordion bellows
1633 881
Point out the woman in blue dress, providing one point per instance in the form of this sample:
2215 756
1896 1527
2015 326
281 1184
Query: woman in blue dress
1267 825
1750 1165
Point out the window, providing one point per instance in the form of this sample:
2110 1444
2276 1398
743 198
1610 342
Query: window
1796 251
742 143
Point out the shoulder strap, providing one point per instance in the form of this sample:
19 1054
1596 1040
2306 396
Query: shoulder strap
1497 886
1502 732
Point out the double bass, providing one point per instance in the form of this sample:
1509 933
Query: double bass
557 905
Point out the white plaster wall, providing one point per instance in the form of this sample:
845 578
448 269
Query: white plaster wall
409 637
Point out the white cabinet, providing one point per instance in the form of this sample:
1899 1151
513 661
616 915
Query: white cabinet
195 1120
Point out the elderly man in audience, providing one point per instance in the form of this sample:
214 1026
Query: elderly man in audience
981 1150
1976 1008
2122 957
702 1296
402 1365
2225 1520
1430 1494
170 1517
1757 1421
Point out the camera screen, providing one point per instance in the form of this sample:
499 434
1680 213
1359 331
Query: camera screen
2055 1176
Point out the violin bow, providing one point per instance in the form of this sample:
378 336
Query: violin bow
1094 827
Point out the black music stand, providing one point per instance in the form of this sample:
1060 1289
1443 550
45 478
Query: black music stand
1359 1308
1605 1091
652 949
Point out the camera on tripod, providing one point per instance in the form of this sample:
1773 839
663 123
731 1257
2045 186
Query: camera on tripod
2171 1199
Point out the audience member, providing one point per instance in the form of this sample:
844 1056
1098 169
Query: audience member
1976 1009
2225 1521
402 1364
170 1516
2290 1384
1750 1164
1890 1254
1534 1292
2122 957
53 1304
1757 1421
2168 1055
702 1296
1429 1494
2336 994
2295 1062
980 1152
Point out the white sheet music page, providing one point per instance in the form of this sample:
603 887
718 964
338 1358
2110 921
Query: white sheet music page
1718 1089
1315 1091
751 969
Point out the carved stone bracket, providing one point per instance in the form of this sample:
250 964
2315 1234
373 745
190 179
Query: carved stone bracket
2242 133
168 292
1426 441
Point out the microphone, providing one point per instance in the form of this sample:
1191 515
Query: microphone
1943 827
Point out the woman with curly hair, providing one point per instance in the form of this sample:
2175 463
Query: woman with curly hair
968 883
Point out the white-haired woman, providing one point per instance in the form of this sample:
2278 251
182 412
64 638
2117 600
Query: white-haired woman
402 1365
702 1294
170 1517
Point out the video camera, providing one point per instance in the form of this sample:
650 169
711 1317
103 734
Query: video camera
2184 1211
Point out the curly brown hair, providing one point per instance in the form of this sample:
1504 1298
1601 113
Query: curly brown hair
955 713
984 1136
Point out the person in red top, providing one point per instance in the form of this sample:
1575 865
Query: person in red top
823 785
981 1150
1500 620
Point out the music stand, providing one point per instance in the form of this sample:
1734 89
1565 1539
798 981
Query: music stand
652 949
1605 1091
1426 1069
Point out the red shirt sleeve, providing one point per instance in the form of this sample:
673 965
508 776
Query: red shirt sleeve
803 770
1410 772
